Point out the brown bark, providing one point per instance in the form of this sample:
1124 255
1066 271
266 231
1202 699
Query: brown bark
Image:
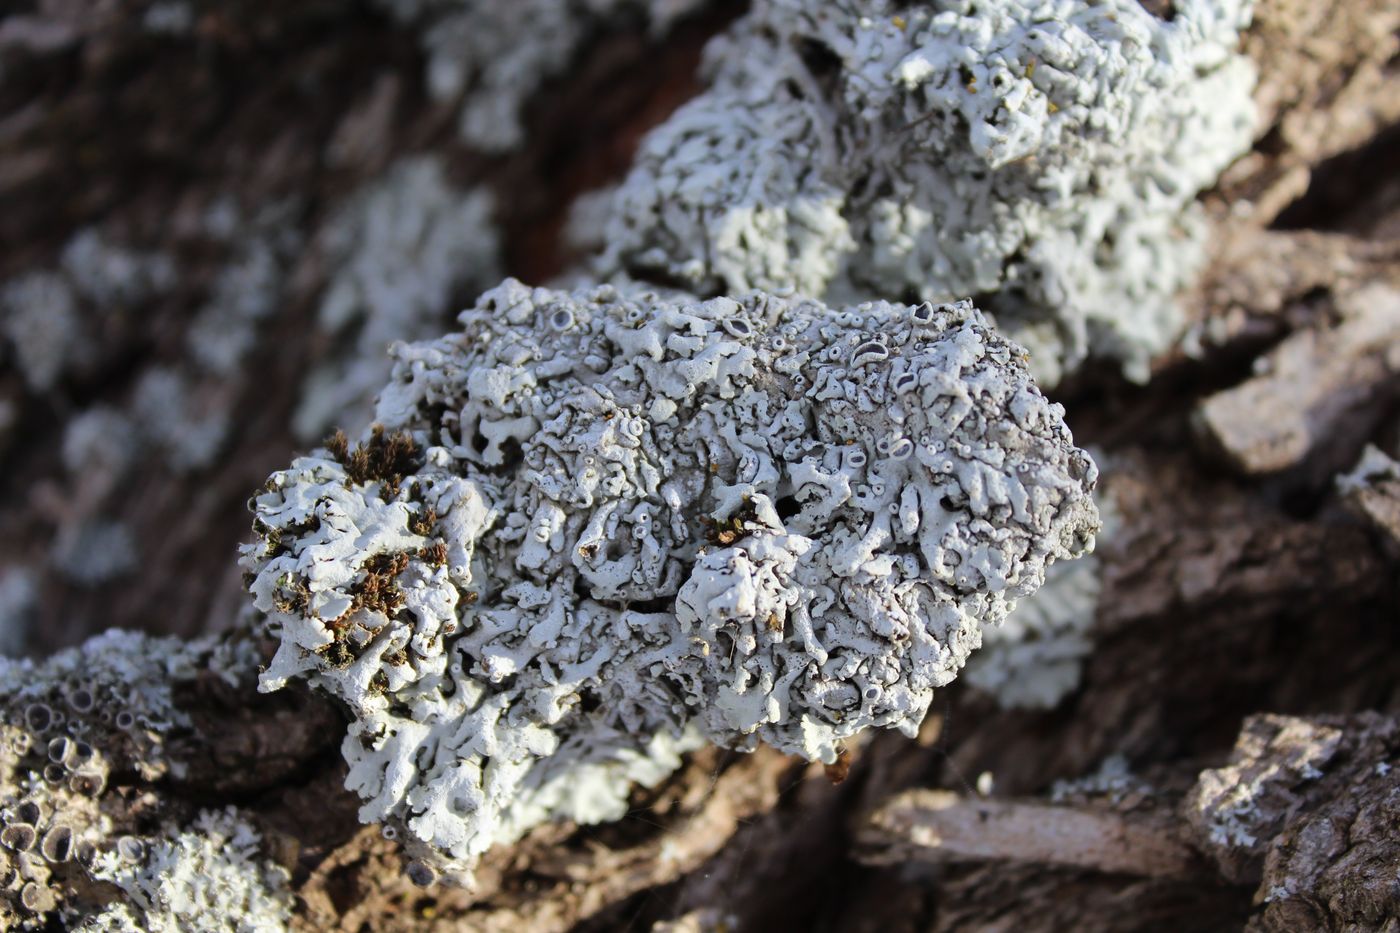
1318 395
939 826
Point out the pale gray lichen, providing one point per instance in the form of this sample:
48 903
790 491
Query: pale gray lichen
169 17
79 733
1235 807
43 327
1045 154
596 527
99 445
1035 658
127 674
260 246
110 276
492 56
93 551
42 312
1371 491
585 227
187 425
1300 804
1374 466
18 593
210 875
398 253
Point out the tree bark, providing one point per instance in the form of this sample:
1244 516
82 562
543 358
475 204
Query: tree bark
1244 596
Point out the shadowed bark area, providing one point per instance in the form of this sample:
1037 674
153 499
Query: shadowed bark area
141 136
1244 597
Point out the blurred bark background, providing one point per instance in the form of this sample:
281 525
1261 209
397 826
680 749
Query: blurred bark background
1241 581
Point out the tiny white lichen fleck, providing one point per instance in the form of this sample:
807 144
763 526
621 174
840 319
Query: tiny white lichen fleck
597 527
1113 779
169 17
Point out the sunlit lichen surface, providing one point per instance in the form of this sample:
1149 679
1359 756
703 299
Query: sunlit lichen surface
1043 154
595 528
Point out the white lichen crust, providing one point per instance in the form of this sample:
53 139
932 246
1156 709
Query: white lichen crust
210 875
81 734
1043 153
596 527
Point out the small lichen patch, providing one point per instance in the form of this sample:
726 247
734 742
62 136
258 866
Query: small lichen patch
81 735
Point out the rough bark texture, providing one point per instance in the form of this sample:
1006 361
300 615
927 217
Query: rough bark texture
1317 395
1237 586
